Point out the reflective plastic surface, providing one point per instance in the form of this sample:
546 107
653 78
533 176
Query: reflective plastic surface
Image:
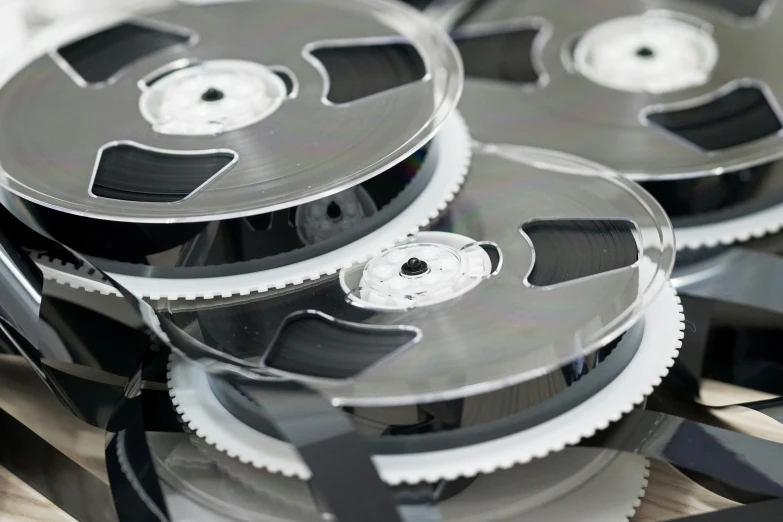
307 149
568 112
503 331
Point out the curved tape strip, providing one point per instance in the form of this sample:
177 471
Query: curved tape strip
340 463
335 453
734 458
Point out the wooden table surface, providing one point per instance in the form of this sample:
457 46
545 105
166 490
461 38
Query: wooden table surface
669 493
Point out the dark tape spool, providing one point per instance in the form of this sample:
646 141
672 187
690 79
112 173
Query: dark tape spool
713 199
246 328
356 72
232 246
220 248
743 115
449 425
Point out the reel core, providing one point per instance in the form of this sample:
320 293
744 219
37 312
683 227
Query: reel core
211 98
216 111
658 52
433 268
675 90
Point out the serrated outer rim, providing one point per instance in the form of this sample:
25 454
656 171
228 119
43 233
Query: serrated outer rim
662 339
453 162
248 475
731 231
602 487
642 491
67 274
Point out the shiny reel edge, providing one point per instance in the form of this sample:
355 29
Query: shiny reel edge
643 289
77 27
664 322
726 160
556 161
731 231
451 168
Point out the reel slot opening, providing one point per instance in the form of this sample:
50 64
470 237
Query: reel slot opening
354 72
602 246
502 53
96 59
740 116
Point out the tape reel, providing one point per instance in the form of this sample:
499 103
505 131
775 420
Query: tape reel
126 84
458 438
657 92
173 247
505 244
716 211
483 318
671 91
425 306
450 265
233 257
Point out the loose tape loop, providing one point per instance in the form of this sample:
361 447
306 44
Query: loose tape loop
343 472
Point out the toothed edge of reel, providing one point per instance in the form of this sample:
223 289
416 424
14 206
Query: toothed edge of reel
230 469
642 491
205 450
725 233
67 274
242 474
453 160
611 403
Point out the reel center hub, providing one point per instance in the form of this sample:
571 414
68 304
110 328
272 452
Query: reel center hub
212 94
436 267
414 267
326 218
645 52
212 97
333 211
655 53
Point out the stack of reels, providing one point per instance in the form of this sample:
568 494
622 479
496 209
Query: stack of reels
681 96
297 186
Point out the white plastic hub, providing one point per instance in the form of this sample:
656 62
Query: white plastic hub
48 11
212 97
325 218
657 52
433 268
